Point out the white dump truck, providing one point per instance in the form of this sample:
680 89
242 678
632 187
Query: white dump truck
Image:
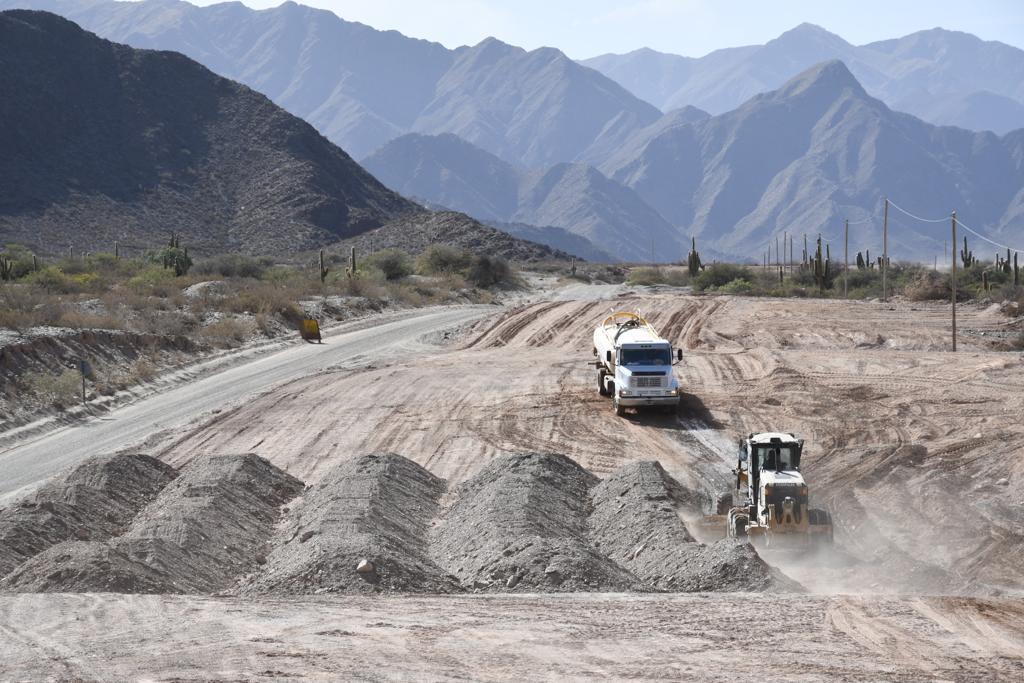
634 364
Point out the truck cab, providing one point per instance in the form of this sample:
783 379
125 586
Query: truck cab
635 364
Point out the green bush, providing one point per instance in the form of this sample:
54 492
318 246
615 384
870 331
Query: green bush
488 271
439 259
51 279
717 275
394 263
737 286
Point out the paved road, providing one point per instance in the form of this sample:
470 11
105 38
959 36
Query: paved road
29 463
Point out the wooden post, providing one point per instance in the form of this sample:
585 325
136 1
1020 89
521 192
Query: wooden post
846 257
953 283
885 249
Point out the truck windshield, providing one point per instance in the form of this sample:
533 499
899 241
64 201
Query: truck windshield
654 356
778 457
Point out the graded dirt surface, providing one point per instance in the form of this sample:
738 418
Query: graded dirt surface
433 464
916 450
702 637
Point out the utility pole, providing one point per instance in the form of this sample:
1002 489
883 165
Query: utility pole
846 257
885 248
953 282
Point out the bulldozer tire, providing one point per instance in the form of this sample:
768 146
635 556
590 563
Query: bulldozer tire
601 374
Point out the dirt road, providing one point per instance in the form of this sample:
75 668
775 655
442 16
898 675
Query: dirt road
736 637
171 412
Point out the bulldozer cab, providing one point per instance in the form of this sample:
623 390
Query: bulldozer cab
777 456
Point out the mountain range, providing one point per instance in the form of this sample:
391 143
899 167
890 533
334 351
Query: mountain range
102 143
943 77
361 87
800 159
773 138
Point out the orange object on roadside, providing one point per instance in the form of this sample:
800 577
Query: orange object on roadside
310 330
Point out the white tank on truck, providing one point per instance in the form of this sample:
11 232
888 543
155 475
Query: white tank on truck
634 364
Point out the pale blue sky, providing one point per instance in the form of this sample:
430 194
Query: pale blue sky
584 28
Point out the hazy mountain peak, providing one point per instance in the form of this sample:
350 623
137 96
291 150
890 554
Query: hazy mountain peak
807 33
830 76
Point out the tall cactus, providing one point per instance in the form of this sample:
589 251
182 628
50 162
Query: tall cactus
693 258
821 267
1006 263
967 256
6 269
1016 271
352 263
860 262
323 269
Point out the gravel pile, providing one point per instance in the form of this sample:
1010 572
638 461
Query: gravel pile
375 524
521 523
95 500
636 522
363 528
206 529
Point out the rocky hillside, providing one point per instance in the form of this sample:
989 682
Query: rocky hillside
452 172
413 233
104 142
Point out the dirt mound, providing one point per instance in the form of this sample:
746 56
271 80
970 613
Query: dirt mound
636 522
376 508
95 500
206 529
222 511
87 567
522 522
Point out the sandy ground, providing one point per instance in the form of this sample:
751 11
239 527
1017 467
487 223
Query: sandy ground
917 452
732 637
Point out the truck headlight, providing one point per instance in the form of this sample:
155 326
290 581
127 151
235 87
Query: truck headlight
625 392
673 392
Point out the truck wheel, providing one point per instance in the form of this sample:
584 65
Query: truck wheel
601 374
620 410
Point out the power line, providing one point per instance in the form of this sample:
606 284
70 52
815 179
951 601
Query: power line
923 220
980 236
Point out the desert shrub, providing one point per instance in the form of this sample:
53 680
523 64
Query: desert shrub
675 277
737 286
440 259
488 271
227 332
57 389
926 286
85 321
233 265
395 264
717 275
21 260
52 280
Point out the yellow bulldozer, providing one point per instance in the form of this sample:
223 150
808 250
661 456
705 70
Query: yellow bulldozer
773 510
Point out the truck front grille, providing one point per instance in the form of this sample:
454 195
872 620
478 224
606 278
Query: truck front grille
648 382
